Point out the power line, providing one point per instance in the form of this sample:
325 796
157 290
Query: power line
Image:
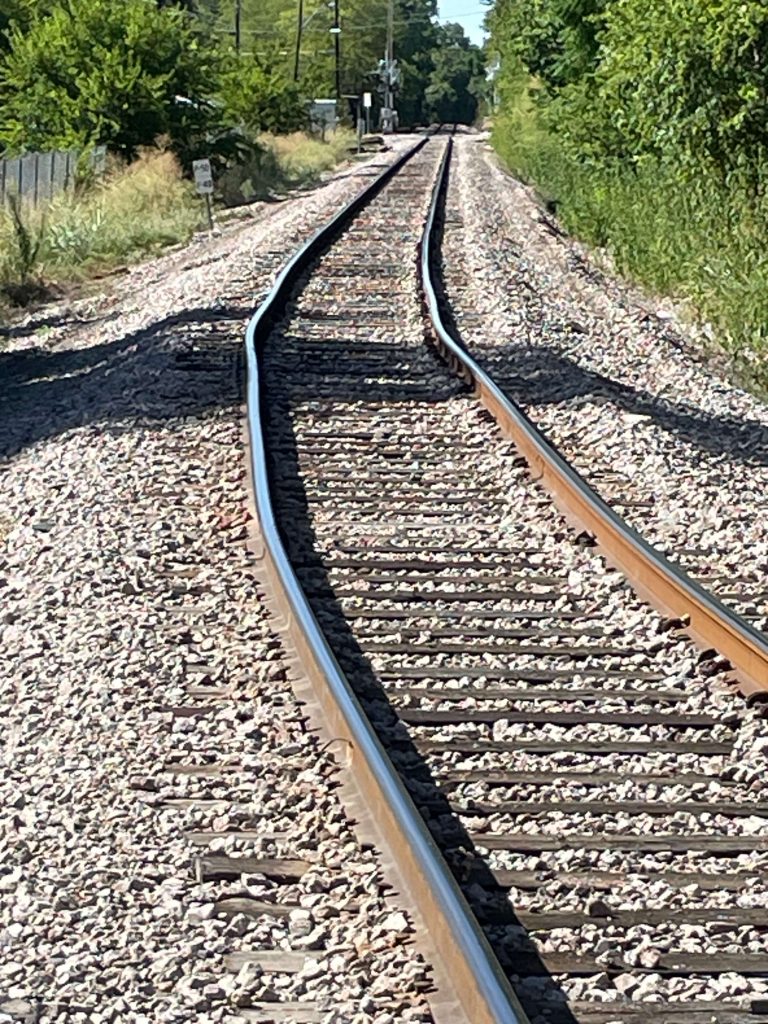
409 21
397 21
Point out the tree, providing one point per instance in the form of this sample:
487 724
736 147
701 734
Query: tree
269 26
257 95
556 40
456 79
119 72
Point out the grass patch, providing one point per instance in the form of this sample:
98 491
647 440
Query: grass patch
139 209
134 210
694 240
284 162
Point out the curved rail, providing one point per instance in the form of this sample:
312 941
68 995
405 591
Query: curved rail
653 576
481 988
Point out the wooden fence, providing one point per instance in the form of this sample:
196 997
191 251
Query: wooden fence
36 177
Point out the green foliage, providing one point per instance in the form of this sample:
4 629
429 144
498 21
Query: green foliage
284 162
257 95
417 39
17 13
456 79
139 208
555 40
269 28
301 159
104 71
646 122
75 73
688 77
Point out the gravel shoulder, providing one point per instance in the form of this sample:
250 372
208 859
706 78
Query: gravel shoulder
146 707
622 389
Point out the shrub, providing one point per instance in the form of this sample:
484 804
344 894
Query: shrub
687 78
105 71
645 123
136 209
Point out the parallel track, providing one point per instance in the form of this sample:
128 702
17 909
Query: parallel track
521 692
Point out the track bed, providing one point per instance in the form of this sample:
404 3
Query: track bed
586 772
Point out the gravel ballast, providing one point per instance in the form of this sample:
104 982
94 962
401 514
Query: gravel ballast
445 579
150 714
614 380
145 704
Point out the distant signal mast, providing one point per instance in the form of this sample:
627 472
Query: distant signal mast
389 75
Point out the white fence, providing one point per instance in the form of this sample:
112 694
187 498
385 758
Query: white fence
37 177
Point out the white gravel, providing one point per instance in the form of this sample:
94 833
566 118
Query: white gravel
126 591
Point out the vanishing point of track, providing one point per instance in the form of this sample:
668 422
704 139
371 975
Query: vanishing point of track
519 723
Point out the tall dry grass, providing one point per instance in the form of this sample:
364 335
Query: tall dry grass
285 162
134 210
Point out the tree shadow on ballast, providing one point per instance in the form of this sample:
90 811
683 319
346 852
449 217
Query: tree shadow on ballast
178 366
536 374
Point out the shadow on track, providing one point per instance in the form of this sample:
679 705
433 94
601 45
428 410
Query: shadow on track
112 385
332 370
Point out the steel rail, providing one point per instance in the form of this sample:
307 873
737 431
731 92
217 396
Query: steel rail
709 622
479 984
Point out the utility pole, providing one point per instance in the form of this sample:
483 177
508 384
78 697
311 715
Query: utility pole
388 113
238 12
337 51
299 27
390 32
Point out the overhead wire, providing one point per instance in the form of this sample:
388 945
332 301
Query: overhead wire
398 21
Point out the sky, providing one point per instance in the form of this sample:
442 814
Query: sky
468 13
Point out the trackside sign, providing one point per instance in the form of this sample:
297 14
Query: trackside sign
201 169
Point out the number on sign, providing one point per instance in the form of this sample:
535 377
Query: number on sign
203 177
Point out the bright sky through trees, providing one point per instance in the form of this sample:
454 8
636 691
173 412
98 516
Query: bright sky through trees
468 13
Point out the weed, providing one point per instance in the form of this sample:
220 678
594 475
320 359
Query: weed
28 242
134 210
21 236
697 241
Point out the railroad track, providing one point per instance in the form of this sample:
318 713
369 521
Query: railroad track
583 770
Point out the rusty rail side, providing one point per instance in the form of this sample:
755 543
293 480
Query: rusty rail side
709 622
481 989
